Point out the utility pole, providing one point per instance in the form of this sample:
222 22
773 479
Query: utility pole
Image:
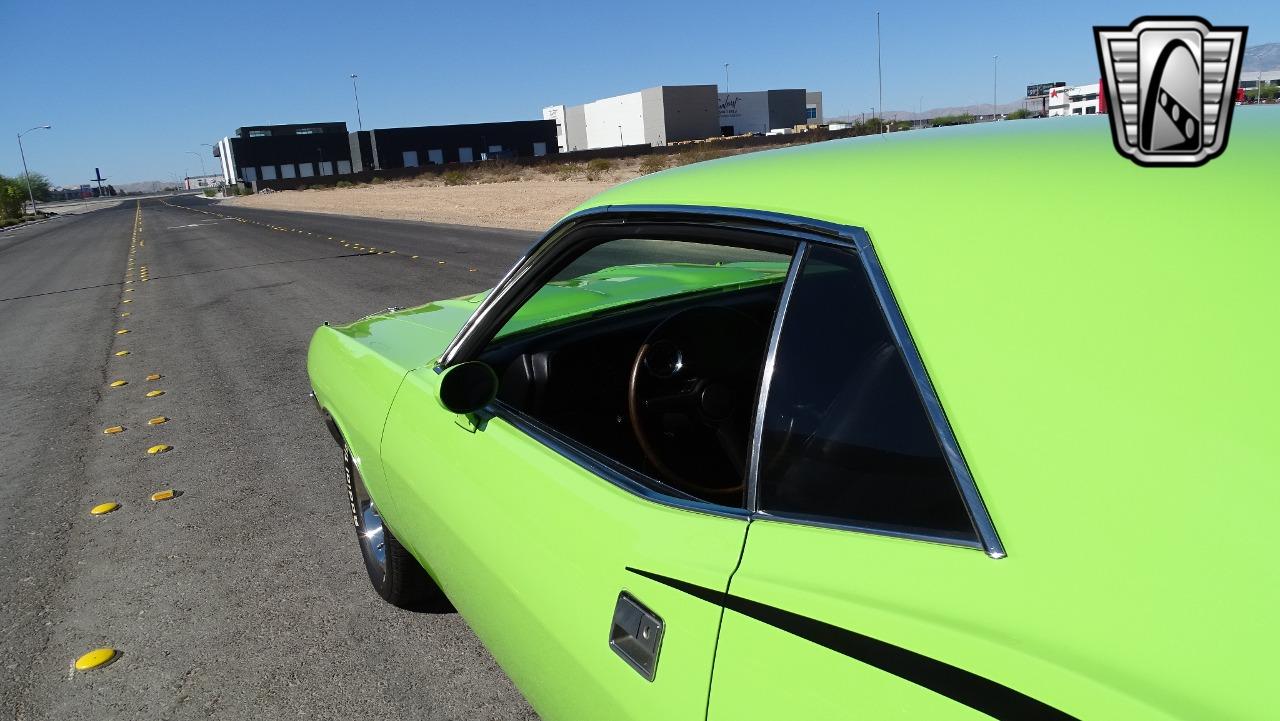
995 65
356 91
97 172
621 143
726 78
879 72
30 194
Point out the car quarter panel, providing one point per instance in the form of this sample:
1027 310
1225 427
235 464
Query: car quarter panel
533 550
1100 339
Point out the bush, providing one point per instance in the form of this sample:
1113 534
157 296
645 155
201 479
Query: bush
653 163
942 120
343 184
596 168
208 192
697 155
1019 114
455 177
566 171
375 180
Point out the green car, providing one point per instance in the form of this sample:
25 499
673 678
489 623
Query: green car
966 423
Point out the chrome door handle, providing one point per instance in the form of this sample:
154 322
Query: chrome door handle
636 635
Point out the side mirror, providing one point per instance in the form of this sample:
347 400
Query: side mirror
468 387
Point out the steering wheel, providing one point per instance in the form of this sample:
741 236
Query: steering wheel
689 397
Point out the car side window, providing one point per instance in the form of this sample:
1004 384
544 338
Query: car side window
846 438
647 352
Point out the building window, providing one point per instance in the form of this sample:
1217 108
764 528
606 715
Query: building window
249 174
1091 110
259 133
811 113
306 170
539 150
288 171
465 156
435 157
344 167
326 167
410 158
268 172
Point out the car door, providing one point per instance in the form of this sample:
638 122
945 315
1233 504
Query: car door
550 550
870 564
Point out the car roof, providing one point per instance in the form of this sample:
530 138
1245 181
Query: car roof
1101 335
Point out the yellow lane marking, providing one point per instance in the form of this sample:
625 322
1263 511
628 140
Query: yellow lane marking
164 495
155 393
153 376
157 421
104 508
122 353
158 449
112 430
122 331
118 382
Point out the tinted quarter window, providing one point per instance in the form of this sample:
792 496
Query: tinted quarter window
846 437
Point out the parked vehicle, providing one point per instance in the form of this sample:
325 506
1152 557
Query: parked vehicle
971 422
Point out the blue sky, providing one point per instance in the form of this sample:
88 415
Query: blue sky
131 87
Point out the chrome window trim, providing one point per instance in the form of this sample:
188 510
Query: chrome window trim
950 446
766 378
804 231
599 465
798 519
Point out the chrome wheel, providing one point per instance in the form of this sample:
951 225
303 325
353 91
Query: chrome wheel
369 530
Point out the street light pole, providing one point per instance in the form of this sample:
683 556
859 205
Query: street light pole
995 64
621 142
356 91
203 172
30 194
879 73
726 78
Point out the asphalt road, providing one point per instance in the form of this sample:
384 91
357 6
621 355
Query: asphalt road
244 596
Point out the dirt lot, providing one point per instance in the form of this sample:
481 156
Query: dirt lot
494 195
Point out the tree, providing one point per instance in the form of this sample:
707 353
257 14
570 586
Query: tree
1269 91
1019 114
13 194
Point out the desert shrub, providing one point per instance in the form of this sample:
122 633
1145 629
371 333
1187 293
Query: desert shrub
698 154
1019 114
597 167
208 192
343 184
547 168
375 180
943 120
653 163
566 171
455 177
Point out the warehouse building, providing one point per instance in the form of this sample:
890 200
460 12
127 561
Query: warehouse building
813 107
271 152
761 111
385 148
653 116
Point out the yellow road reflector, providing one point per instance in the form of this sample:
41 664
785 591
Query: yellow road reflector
112 430
153 376
155 393
128 290
118 382
414 257
103 508
471 270
164 495
158 448
122 331
157 421
128 282
127 300
122 353
96 658
440 262
124 315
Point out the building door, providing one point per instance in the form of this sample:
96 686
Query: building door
435 156
465 156
410 158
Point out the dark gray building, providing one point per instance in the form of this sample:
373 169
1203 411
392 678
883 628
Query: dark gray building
762 110
439 144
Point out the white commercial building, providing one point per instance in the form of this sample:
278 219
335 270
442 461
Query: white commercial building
202 181
653 116
1076 100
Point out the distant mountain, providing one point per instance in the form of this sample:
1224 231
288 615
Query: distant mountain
1262 57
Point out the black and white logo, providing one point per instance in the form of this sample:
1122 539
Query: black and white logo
1170 86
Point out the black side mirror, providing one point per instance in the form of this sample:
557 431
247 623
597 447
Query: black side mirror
468 387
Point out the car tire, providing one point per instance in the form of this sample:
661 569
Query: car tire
395 574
